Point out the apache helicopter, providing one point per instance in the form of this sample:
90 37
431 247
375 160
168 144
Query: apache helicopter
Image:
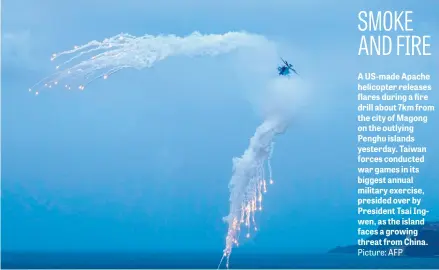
286 69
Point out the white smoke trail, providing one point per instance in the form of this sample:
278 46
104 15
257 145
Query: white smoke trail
96 59
249 181
100 59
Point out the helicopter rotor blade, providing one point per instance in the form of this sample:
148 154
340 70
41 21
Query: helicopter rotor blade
292 69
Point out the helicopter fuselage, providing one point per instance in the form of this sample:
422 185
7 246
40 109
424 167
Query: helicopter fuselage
284 70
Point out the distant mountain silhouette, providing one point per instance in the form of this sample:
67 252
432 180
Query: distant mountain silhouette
428 232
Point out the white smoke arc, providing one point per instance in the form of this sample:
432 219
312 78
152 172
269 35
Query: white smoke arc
100 59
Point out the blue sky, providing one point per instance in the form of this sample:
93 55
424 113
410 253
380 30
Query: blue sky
142 161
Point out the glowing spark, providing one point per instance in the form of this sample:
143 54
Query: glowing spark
248 181
86 63
98 59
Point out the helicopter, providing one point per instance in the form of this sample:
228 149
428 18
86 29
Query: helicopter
286 69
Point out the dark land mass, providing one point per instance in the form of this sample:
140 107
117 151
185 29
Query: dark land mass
206 260
428 232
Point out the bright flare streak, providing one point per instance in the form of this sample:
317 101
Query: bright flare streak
97 59
248 183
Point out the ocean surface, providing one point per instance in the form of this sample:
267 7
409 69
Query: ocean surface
33 260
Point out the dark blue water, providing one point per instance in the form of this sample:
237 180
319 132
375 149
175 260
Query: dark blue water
32 260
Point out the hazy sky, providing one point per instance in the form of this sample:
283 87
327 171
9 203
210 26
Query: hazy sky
142 161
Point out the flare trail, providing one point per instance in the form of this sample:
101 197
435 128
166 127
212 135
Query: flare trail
100 59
